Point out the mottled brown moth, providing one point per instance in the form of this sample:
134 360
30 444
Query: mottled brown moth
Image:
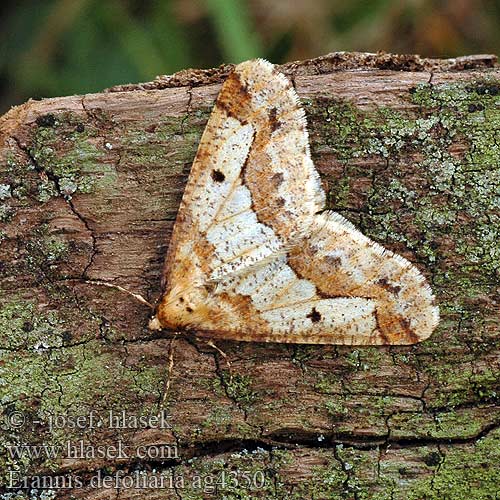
255 257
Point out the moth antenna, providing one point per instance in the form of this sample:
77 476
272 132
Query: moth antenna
136 296
224 355
170 369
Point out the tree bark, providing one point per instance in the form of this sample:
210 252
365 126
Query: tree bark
408 150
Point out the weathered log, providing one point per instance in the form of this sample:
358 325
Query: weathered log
409 151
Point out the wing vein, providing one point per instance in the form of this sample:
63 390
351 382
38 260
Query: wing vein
234 257
229 217
283 291
290 304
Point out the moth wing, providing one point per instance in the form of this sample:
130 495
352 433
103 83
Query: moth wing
251 258
341 261
245 200
279 173
336 287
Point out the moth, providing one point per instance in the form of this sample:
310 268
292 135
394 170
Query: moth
254 256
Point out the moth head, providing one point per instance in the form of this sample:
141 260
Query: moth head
181 308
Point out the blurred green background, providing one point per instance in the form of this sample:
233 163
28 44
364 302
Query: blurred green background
59 47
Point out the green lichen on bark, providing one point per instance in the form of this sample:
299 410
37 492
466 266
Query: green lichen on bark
71 153
47 375
18 183
242 475
469 472
239 388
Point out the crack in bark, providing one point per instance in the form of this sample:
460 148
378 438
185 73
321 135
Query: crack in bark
188 108
225 385
367 442
222 379
167 379
219 373
438 468
55 179
348 471
89 112
215 448
295 359
89 229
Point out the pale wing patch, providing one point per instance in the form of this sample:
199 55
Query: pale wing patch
250 283
238 202
239 242
274 290
291 305
222 175
348 316
262 283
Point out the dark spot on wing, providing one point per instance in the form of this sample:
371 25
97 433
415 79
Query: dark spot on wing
409 333
314 315
277 179
218 176
384 283
333 261
226 106
274 123
244 86
189 309
313 249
